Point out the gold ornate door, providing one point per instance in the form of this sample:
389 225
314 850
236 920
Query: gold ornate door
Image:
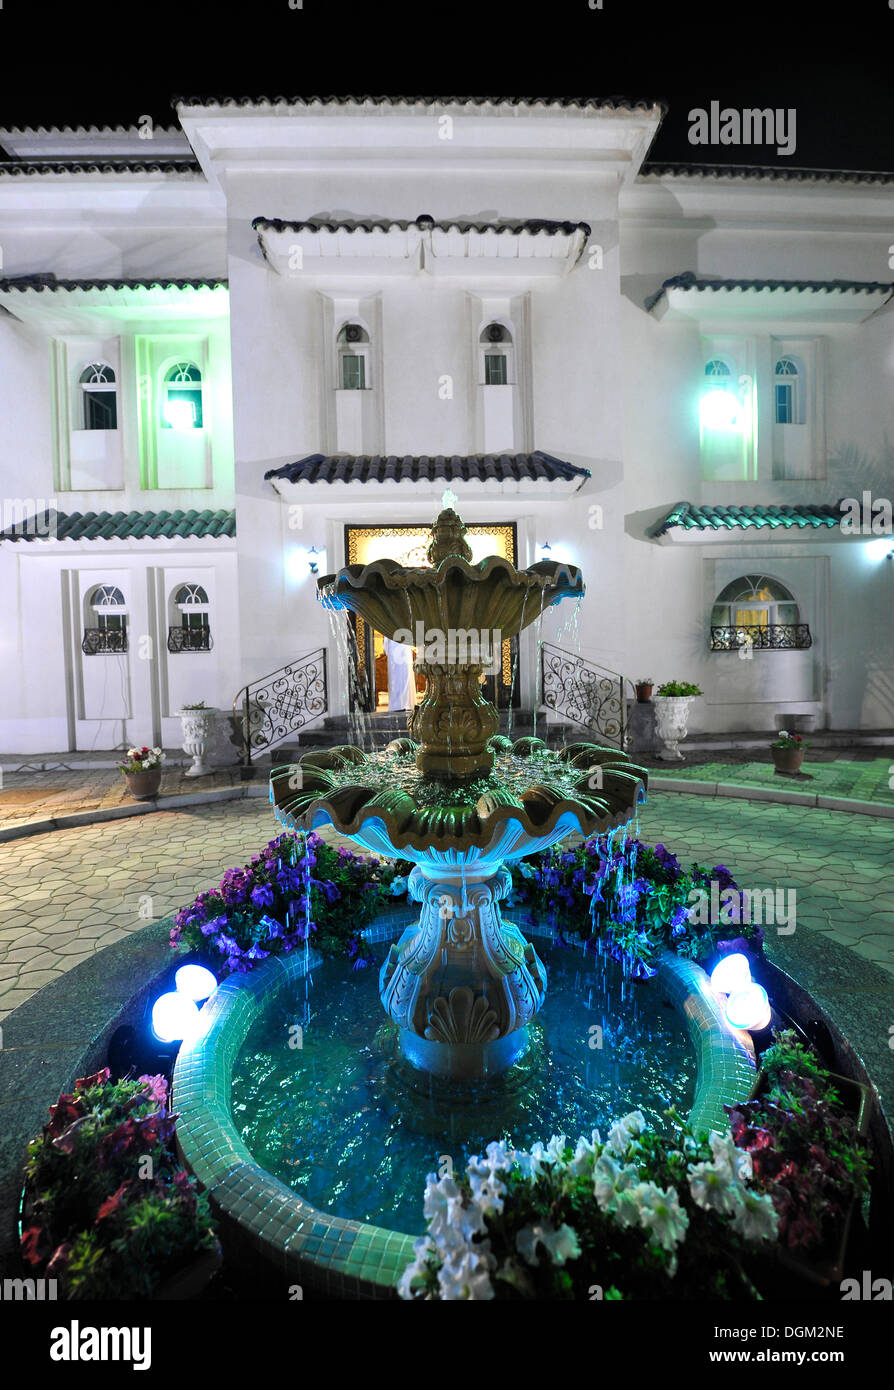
408 545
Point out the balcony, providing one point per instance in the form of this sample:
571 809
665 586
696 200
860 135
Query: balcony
189 639
104 639
772 637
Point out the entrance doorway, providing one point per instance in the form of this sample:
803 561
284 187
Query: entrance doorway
408 545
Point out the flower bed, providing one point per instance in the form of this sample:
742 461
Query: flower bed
638 900
805 1149
295 890
639 1216
109 1210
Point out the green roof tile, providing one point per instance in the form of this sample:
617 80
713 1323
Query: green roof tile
687 516
88 526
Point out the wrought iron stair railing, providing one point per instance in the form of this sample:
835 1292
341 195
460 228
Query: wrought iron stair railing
774 637
274 706
584 692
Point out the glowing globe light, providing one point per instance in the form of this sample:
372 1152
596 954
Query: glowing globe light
195 981
180 415
749 1008
175 1017
719 410
731 974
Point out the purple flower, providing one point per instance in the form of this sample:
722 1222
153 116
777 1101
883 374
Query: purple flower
262 896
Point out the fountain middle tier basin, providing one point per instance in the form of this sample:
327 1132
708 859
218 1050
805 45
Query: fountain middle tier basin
462 983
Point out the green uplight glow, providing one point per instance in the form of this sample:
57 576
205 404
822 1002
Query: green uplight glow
720 410
180 414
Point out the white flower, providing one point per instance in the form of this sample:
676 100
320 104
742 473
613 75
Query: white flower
713 1187
611 1180
556 1148
487 1191
133 753
727 1154
622 1131
423 1248
584 1156
467 1276
497 1159
531 1161
560 1245
661 1214
626 1210
755 1216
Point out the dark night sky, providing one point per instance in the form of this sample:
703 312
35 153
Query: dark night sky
137 56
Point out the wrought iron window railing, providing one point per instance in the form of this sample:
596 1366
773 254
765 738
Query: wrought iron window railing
772 637
276 705
104 639
583 692
189 639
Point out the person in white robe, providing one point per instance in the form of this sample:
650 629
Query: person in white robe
401 680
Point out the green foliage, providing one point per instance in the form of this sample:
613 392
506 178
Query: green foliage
679 688
112 1212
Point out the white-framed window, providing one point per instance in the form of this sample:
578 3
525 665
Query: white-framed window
105 629
191 630
181 397
717 368
352 343
756 610
100 397
495 344
787 391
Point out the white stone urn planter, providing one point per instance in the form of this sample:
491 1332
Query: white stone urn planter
199 732
672 722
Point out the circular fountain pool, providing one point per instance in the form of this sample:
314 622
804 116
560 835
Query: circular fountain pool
348 1123
365 1129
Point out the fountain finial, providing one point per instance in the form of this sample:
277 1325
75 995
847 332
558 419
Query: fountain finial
449 498
448 537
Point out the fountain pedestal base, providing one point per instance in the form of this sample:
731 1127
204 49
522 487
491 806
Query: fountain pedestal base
462 983
463 1061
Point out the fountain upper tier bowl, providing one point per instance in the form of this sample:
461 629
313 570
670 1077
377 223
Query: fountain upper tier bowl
453 612
534 798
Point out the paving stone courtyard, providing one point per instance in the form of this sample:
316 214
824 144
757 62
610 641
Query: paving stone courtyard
68 893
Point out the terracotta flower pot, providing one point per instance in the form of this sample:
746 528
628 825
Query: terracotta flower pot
788 759
143 785
644 694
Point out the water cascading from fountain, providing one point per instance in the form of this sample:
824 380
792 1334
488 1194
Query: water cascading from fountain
457 799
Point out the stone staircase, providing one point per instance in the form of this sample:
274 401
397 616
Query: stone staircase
375 730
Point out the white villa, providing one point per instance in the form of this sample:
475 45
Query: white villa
250 349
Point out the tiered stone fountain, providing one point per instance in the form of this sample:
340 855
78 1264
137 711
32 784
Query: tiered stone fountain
458 800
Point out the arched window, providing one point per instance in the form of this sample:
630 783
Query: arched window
182 397
760 612
788 392
106 627
496 343
97 383
716 367
193 631
353 357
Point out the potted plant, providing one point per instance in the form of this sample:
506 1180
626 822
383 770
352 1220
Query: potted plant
198 722
108 1209
788 752
643 689
142 772
673 702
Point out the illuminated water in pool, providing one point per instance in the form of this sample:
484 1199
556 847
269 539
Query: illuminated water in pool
347 1123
